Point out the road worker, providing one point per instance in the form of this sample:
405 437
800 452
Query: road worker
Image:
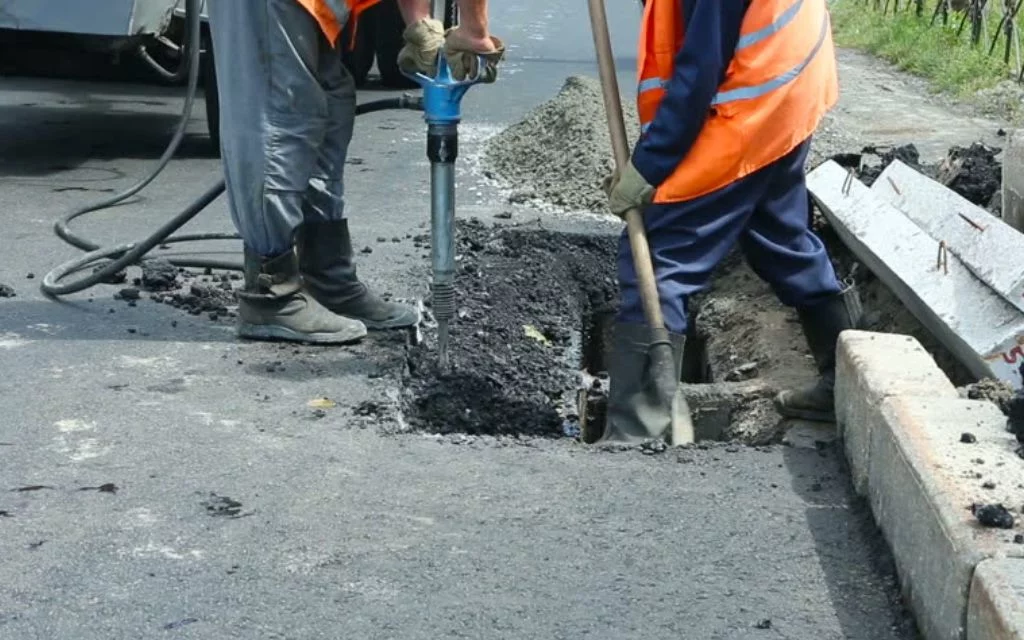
730 92
288 106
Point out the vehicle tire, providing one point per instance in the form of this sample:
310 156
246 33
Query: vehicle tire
389 42
208 76
359 59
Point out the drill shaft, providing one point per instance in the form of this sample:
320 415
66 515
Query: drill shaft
442 149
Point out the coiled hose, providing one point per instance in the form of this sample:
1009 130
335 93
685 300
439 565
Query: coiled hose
123 255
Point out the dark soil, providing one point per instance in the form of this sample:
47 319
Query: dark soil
975 173
516 344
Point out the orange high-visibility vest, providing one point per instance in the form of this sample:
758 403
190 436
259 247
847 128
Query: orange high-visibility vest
331 14
780 83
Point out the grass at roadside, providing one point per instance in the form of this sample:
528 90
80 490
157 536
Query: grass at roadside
933 52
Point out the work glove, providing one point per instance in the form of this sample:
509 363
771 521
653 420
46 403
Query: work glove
423 41
464 61
627 189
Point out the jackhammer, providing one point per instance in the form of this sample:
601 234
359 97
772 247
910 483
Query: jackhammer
442 98
440 103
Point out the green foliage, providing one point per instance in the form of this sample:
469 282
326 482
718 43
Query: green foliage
914 45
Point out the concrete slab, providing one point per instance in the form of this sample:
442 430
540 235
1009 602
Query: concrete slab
996 607
981 328
992 253
1013 180
871 367
921 482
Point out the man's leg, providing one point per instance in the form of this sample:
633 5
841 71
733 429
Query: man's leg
784 252
325 247
273 121
687 241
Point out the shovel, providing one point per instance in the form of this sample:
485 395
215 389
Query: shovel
662 379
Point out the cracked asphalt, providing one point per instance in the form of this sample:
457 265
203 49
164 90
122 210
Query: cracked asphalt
159 478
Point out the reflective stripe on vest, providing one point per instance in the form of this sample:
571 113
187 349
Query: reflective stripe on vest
755 91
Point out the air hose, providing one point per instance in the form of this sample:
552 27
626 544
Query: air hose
116 258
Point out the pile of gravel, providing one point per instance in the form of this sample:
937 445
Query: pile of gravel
561 151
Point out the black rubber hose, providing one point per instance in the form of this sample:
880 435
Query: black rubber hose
124 255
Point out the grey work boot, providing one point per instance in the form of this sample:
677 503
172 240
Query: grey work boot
822 324
273 306
635 410
325 259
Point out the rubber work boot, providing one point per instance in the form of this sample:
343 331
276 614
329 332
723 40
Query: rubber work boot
274 306
636 413
325 259
822 324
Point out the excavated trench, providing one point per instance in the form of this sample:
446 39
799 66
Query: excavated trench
529 346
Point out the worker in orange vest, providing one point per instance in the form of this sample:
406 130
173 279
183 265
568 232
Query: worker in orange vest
287 111
730 92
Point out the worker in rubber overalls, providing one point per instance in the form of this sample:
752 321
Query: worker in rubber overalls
287 111
729 94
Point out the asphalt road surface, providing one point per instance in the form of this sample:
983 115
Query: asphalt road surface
159 479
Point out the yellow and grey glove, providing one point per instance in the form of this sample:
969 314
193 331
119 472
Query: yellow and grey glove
423 41
465 62
627 190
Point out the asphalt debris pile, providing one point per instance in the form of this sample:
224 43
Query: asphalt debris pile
561 152
515 347
196 293
973 172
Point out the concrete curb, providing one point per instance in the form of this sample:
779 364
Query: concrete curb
901 422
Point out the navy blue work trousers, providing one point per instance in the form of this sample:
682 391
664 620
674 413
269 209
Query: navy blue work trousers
766 212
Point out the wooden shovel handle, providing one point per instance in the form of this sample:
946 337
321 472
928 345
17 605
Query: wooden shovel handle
617 130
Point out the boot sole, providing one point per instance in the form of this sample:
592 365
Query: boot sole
278 333
401 322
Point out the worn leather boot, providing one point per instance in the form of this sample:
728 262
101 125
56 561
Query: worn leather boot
329 273
635 411
822 324
274 306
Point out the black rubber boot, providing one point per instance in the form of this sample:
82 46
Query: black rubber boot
822 324
636 411
274 306
329 272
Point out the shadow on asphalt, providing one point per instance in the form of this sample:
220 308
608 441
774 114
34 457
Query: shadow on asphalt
107 319
41 140
847 553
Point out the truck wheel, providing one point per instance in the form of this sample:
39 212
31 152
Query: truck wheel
388 43
359 60
208 74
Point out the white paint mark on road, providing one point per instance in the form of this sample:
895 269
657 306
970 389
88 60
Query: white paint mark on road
73 425
12 341
71 443
85 449
156 363
48 329
153 550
